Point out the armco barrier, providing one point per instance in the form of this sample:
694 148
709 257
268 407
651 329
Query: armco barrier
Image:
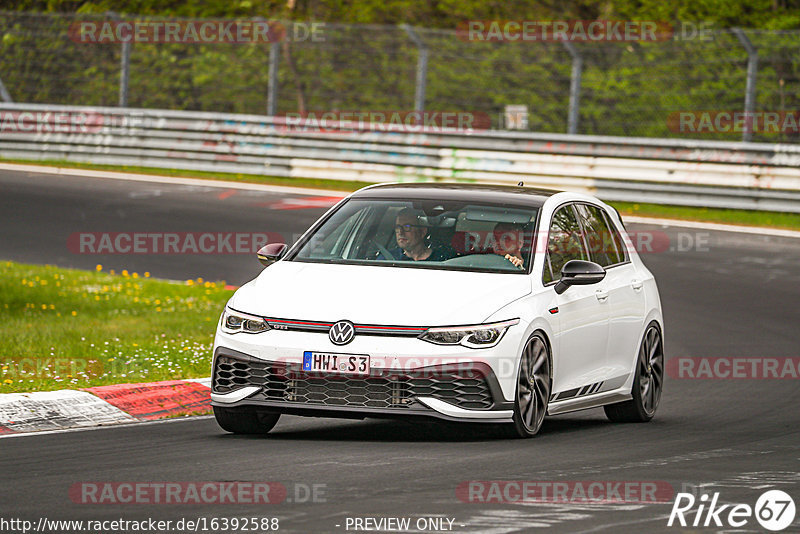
667 171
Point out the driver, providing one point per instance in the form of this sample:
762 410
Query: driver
410 235
508 242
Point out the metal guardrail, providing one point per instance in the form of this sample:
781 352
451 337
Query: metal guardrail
682 172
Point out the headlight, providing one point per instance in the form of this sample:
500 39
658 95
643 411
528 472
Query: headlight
475 336
233 322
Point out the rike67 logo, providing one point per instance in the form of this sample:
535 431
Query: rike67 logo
774 510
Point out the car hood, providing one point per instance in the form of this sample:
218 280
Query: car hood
378 295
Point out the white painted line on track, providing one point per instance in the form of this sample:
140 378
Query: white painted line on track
758 230
177 180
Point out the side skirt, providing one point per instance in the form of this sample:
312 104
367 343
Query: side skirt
589 401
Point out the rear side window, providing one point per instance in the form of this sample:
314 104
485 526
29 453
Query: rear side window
564 243
622 254
600 238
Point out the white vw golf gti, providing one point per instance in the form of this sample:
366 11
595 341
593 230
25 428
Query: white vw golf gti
466 303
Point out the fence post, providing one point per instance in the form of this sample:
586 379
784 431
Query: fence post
124 76
750 89
4 93
272 90
422 68
574 87
124 65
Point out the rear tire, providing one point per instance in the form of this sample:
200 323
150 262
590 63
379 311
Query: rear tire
647 383
534 383
245 420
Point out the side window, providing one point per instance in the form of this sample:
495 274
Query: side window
622 253
564 243
599 237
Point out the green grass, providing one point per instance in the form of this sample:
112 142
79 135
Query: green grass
64 328
768 219
743 217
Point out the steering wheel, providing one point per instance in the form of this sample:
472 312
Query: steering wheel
383 250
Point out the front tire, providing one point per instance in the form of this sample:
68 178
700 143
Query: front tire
534 383
245 420
647 384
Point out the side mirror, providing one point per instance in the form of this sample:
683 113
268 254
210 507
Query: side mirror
579 273
269 254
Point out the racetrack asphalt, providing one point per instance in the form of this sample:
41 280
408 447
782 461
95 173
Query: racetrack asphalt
735 295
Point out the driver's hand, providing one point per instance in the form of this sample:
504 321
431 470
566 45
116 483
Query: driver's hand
515 260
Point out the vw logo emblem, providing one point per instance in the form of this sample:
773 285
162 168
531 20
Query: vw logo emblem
342 333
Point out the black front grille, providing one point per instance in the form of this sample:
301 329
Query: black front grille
383 389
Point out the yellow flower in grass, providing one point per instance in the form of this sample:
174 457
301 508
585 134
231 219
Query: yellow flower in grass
74 313
7 381
147 274
111 272
135 275
98 267
125 273
190 282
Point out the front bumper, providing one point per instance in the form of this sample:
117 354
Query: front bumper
454 392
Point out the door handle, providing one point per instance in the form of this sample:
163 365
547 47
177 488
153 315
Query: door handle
601 295
636 284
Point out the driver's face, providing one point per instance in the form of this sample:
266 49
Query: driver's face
408 238
508 242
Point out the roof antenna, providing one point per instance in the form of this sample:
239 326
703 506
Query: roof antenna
521 184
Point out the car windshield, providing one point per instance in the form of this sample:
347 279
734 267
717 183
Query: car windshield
435 234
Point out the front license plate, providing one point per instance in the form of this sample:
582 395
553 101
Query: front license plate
329 362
